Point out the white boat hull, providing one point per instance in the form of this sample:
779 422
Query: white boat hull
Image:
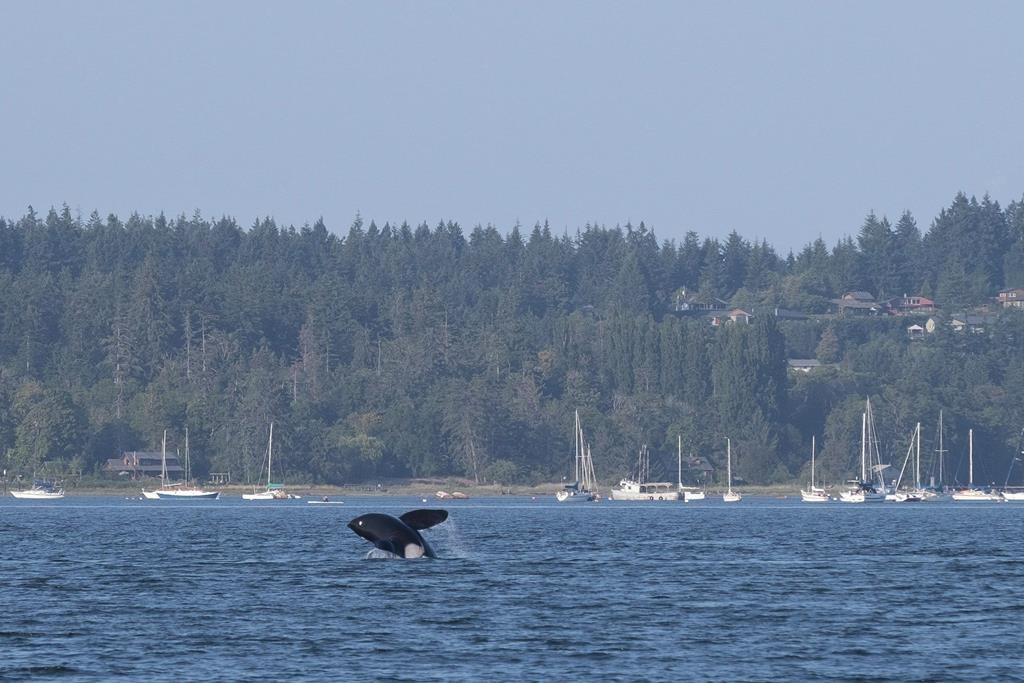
689 496
651 491
575 497
731 497
861 497
34 494
976 496
814 496
1013 496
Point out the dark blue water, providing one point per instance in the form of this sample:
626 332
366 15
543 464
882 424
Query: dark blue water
100 588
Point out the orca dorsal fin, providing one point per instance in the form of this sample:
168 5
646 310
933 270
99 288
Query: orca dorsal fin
424 519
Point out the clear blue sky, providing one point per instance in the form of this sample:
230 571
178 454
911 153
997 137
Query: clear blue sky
782 120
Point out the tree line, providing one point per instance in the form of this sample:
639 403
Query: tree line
396 351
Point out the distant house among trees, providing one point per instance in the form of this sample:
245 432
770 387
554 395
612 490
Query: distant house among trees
692 302
736 315
856 303
1012 297
805 365
141 464
906 305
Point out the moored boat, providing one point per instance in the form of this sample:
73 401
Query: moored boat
41 490
864 491
584 488
729 496
272 491
971 494
814 494
640 488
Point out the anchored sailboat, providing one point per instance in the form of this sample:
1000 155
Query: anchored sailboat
584 488
971 494
686 493
815 494
864 491
729 496
273 491
185 490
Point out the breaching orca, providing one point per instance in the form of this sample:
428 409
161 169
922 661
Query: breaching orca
399 536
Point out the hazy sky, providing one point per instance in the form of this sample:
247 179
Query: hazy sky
781 120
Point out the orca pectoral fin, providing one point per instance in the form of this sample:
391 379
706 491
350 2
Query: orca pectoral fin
387 546
424 519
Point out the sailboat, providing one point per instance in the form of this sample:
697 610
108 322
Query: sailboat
971 494
273 491
584 488
864 491
815 494
729 496
41 490
641 488
154 495
687 494
914 494
185 490
1018 495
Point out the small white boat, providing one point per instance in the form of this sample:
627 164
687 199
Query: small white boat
40 490
729 496
815 494
1013 496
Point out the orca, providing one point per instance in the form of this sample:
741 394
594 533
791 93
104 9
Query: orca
399 536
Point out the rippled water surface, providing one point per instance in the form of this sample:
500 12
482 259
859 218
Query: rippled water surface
103 588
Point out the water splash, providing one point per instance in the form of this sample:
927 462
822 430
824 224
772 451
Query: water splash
448 541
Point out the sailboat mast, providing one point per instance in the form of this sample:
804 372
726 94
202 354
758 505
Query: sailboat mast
917 459
970 458
270 452
579 447
188 468
679 459
163 460
942 452
728 463
812 462
863 445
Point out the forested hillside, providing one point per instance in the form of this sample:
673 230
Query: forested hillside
399 351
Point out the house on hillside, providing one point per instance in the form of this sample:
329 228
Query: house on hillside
909 305
695 303
736 315
804 365
975 323
142 464
1011 298
856 303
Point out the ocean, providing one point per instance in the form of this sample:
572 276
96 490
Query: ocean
101 588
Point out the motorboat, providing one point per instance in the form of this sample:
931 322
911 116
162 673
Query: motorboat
640 488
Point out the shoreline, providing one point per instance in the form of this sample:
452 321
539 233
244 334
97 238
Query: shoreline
423 488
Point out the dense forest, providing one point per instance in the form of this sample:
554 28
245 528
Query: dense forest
398 351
